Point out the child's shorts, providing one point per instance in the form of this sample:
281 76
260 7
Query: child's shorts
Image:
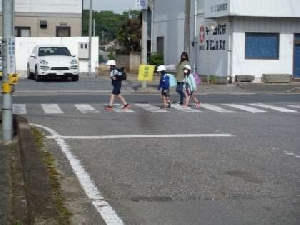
165 93
117 89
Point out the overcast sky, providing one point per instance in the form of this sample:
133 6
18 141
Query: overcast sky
113 5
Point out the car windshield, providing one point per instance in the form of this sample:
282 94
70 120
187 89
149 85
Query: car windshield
46 51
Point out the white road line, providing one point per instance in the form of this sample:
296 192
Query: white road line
215 108
292 154
276 108
246 108
142 136
295 106
106 211
151 108
19 109
51 109
118 108
185 109
85 108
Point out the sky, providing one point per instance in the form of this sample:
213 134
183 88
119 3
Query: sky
117 6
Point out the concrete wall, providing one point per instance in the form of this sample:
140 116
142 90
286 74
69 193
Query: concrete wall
130 62
169 23
24 47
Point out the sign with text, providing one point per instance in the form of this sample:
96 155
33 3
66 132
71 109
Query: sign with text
146 73
141 4
217 8
213 39
11 60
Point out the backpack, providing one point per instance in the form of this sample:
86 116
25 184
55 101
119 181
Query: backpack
197 78
121 74
173 81
193 82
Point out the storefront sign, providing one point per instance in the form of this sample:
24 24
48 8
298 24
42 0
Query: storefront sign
213 39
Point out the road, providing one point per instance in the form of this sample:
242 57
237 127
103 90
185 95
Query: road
233 161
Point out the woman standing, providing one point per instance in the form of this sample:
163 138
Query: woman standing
184 60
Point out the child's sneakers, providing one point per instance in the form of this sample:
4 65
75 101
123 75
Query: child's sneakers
108 107
125 106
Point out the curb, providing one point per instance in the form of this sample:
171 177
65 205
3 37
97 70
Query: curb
40 206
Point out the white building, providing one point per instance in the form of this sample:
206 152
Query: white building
44 18
232 37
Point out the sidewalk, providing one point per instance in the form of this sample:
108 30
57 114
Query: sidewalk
134 86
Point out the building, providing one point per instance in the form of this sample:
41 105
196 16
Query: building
230 38
44 18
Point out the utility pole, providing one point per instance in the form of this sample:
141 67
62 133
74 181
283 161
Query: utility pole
90 37
94 27
8 65
187 32
144 41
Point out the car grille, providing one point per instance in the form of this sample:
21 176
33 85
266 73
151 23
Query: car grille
59 68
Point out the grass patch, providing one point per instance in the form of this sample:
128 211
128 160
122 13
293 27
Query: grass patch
48 159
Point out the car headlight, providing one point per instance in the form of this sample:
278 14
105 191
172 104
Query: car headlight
73 62
74 67
43 62
44 68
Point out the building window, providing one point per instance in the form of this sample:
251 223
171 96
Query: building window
62 31
262 46
22 32
160 45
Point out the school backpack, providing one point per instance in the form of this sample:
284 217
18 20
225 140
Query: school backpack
193 82
197 78
173 81
121 73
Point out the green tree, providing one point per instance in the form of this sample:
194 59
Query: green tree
108 23
129 35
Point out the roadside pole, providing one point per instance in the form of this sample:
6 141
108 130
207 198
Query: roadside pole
144 42
90 37
8 64
187 26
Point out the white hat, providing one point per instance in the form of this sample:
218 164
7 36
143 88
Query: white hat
161 68
111 63
187 67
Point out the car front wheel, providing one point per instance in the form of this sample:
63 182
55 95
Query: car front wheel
29 75
74 78
37 76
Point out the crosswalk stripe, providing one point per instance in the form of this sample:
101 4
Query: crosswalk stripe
184 109
295 106
51 109
85 108
276 108
19 109
151 108
118 108
215 108
246 108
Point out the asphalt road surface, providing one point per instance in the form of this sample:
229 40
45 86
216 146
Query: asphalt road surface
233 161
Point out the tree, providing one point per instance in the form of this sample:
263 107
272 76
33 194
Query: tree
129 35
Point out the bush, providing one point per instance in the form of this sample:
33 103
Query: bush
111 56
156 59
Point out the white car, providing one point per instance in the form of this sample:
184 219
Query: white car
52 61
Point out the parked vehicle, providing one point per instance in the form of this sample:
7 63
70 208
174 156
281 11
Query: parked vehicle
51 61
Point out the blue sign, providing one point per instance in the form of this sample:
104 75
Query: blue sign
142 4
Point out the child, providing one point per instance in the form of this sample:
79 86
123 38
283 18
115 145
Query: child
116 81
164 85
189 86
